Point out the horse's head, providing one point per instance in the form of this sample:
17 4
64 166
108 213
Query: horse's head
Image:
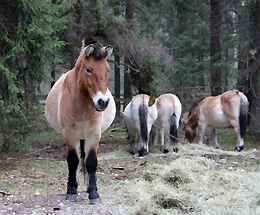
93 73
190 132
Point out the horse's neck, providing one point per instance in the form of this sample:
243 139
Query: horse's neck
194 118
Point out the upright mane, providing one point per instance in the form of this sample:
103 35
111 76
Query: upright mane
98 53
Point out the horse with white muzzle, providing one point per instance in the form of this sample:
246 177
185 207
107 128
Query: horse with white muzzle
81 107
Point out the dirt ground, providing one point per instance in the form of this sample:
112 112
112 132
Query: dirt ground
17 173
35 182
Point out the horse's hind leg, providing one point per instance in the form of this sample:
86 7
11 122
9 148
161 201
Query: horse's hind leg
240 141
131 135
73 163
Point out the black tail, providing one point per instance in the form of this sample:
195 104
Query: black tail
173 129
143 122
82 156
242 117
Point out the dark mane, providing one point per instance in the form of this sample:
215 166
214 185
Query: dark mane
90 40
195 104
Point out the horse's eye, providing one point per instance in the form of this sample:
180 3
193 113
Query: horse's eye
88 71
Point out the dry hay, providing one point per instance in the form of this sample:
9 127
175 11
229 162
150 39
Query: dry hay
190 185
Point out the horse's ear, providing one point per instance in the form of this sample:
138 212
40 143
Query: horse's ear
108 51
88 50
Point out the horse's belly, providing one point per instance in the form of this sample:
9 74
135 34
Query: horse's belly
52 106
108 115
218 120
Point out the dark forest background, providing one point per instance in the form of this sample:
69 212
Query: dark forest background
157 45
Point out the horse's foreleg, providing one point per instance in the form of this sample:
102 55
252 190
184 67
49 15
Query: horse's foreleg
202 133
161 136
73 163
215 138
91 166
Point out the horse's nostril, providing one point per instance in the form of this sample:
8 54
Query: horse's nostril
107 102
103 103
100 102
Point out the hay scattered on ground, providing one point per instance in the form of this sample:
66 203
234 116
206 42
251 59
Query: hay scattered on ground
191 185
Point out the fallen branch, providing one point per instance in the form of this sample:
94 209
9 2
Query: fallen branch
118 168
5 193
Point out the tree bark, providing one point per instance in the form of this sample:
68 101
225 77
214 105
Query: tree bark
117 81
242 54
215 50
254 74
129 14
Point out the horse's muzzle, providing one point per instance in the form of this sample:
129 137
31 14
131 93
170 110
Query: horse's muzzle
101 104
101 101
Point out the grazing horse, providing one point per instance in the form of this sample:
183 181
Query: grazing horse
169 113
139 118
80 107
229 108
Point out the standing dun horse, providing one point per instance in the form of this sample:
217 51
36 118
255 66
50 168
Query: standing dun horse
169 113
229 108
139 117
80 107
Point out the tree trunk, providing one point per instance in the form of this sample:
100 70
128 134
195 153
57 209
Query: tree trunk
127 83
129 14
117 81
215 50
53 74
254 90
117 66
242 54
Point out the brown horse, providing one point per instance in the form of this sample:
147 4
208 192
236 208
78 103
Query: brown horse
81 107
229 108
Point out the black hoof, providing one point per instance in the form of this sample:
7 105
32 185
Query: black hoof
71 197
132 152
94 201
165 151
238 149
175 150
142 152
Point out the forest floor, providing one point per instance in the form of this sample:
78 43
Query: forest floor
34 182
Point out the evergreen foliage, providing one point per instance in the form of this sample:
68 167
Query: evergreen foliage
29 45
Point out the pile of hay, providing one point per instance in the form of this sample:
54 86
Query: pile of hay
190 185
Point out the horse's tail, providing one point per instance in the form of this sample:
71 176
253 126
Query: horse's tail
82 157
173 129
243 117
143 121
